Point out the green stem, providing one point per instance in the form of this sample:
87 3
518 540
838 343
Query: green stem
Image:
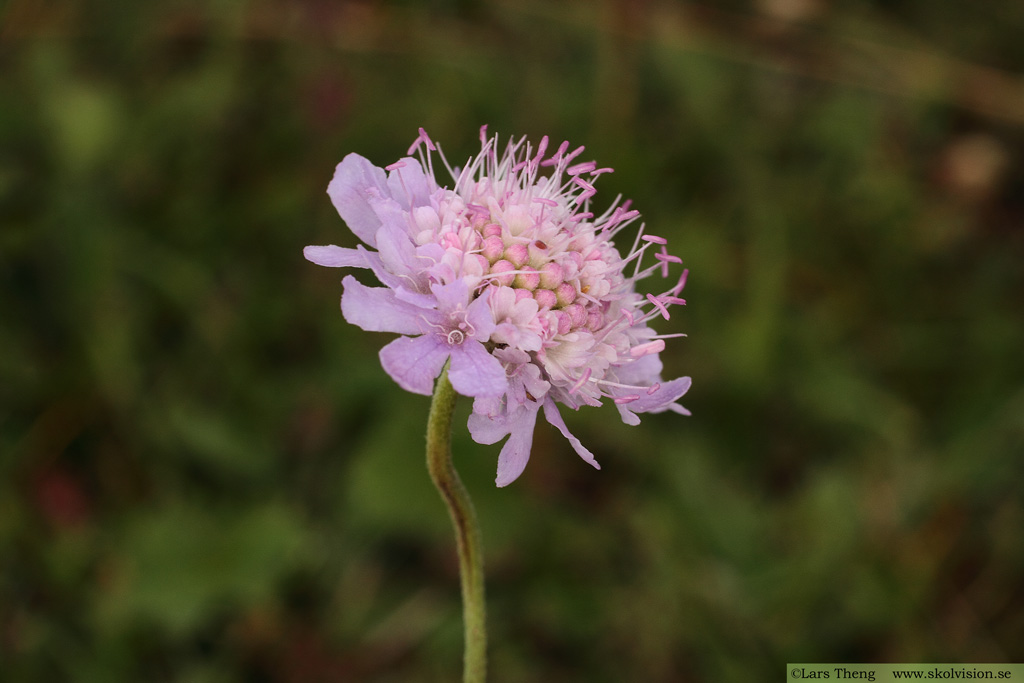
467 529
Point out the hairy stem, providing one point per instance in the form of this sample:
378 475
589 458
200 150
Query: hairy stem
467 529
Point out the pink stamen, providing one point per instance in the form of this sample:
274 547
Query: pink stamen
613 219
585 167
658 305
541 148
426 138
620 219
668 258
395 166
682 282
646 349
573 154
422 137
588 189
557 156
545 201
654 387
665 259
580 382
672 300
483 134
626 399
654 238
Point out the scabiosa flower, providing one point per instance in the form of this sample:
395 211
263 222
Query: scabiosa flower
508 274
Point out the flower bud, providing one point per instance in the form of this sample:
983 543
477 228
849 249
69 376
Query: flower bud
577 314
500 267
475 264
493 247
545 298
528 278
550 275
565 292
517 254
492 230
564 322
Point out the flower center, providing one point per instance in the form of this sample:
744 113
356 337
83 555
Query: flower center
456 329
564 268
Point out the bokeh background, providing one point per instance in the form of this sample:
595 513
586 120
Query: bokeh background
205 476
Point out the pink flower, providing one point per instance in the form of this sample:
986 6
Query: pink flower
511 276
453 327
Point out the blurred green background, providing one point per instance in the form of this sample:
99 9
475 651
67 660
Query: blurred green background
205 476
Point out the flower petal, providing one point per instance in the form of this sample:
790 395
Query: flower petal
555 418
377 309
627 415
666 394
644 371
335 257
397 251
414 362
486 429
355 181
452 295
516 451
474 372
661 400
415 298
409 185
360 257
478 314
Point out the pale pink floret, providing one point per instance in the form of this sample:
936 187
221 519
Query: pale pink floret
455 328
511 276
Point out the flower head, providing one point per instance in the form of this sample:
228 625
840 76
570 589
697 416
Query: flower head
508 274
